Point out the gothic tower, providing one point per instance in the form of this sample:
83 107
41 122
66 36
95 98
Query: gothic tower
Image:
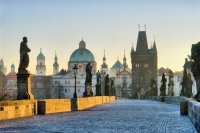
144 64
104 66
41 67
55 65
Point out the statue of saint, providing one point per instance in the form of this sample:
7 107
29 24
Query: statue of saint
24 58
153 86
107 82
98 74
171 83
88 70
163 86
189 86
195 56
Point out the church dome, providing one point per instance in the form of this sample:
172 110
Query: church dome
117 65
82 55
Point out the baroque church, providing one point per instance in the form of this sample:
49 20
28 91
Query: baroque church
144 65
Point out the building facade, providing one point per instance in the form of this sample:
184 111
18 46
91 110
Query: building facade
144 64
63 83
11 82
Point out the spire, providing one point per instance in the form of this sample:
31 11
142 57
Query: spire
132 48
104 57
124 61
82 44
142 45
55 58
104 65
138 27
154 45
40 50
145 27
55 64
12 67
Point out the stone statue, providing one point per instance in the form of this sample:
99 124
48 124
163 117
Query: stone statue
98 85
195 56
23 75
153 86
184 90
88 81
163 86
24 58
189 86
98 74
112 88
171 83
88 70
107 82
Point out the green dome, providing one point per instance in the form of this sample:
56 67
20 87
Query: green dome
40 56
82 55
117 65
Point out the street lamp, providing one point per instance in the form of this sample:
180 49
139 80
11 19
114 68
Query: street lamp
75 68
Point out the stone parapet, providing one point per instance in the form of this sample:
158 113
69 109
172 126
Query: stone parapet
16 109
23 108
168 99
48 106
194 113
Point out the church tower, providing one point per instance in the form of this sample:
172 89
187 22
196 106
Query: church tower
104 66
41 67
144 64
55 65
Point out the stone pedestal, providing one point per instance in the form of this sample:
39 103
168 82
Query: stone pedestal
98 90
88 90
24 86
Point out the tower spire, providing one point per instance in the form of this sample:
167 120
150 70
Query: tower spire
145 27
138 27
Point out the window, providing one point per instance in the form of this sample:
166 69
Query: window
56 82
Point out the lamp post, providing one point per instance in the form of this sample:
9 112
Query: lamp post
75 68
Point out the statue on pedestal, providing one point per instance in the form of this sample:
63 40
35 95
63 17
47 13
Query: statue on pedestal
189 85
23 75
24 58
153 86
171 84
112 88
98 85
184 90
88 81
195 56
163 86
107 88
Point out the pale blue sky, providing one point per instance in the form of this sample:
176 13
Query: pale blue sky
113 24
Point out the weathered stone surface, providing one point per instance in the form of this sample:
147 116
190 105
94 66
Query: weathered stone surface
138 116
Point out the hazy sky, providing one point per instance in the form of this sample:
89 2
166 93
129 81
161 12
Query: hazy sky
109 24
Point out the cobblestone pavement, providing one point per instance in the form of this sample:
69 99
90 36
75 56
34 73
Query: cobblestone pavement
135 116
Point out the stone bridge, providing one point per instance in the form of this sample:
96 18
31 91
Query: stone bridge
135 116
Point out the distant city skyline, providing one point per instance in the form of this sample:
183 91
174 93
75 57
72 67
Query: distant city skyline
103 24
